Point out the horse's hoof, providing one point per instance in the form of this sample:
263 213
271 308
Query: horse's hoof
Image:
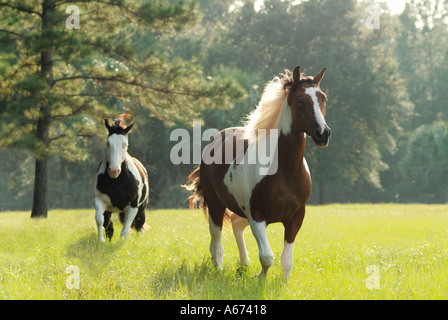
262 275
241 269
124 235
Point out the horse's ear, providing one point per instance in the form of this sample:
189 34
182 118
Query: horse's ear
318 77
106 123
128 128
296 75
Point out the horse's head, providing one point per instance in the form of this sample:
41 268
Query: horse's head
307 102
117 146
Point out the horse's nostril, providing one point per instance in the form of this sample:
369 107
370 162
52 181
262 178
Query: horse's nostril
114 173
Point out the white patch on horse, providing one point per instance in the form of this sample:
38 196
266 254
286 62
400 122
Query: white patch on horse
306 167
287 258
264 250
133 169
284 123
138 177
216 248
242 177
100 207
117 152
311 91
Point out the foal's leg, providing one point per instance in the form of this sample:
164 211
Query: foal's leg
264 250
238 226
108 225
100 208
292 227
129 216
140 218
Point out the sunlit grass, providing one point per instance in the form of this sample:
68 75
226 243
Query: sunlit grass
407 243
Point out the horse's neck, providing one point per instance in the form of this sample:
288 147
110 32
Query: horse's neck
291 149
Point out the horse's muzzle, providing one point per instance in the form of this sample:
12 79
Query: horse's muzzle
114 173
321 138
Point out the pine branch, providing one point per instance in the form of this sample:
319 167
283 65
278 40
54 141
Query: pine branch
58 137
110 3
133 83
11 32
20 8
74 112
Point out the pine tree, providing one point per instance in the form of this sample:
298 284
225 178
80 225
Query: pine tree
57 81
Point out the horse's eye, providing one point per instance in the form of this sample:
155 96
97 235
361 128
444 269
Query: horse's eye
108 144
299 101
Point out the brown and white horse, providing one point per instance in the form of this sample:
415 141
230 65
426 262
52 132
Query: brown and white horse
121 184
250 192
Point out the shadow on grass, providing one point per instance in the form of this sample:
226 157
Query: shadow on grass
94 256
201 280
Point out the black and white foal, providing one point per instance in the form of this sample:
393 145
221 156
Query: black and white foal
121 184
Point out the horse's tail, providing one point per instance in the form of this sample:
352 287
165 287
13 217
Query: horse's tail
197 197
194 185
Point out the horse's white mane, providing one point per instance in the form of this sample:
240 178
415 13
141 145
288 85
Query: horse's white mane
268 111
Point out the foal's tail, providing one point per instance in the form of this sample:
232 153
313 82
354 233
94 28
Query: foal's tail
194 185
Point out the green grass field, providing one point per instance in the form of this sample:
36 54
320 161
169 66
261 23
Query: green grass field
407 245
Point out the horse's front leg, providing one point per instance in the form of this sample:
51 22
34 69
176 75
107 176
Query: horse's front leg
100 208
129 217
292 227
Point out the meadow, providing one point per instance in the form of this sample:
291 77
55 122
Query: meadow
338 251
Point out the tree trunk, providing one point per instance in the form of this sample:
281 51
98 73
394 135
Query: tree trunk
322 192
40 194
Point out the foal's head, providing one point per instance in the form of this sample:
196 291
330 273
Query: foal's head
307 102
117 145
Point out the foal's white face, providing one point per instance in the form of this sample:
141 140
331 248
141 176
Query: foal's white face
117 149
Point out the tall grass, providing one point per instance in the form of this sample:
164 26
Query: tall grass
337 243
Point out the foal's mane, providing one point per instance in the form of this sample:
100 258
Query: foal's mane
268 111
119 125
121 119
